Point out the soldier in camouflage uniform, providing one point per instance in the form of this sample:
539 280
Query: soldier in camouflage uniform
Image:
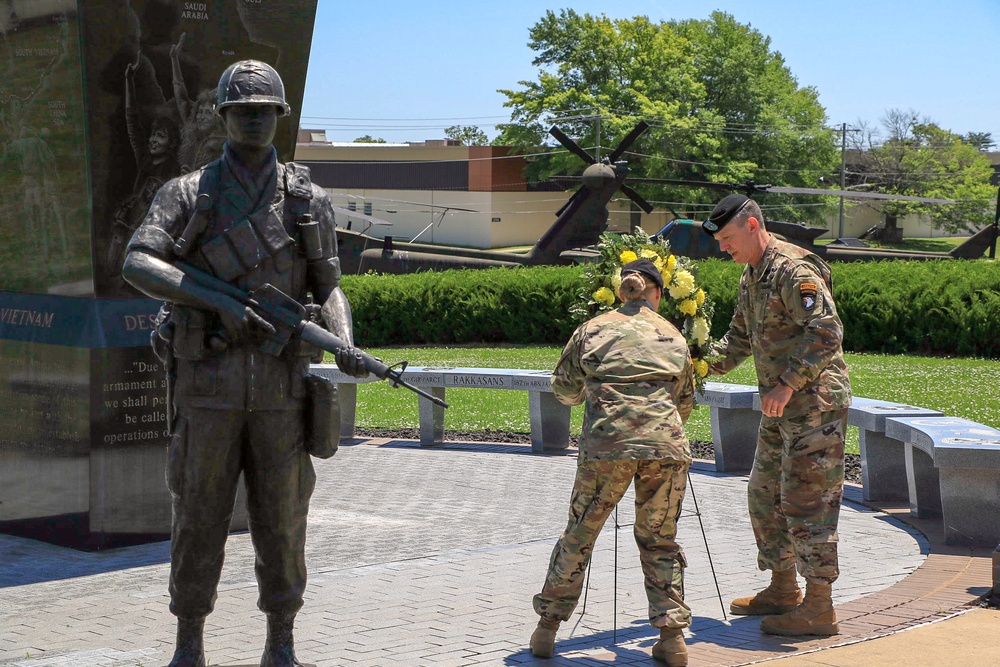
633 369
786 319
240 405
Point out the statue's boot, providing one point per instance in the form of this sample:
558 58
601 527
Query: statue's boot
543 639
671 648
279 650
815 616
782 595
190 647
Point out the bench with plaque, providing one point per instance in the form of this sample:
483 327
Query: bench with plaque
953 471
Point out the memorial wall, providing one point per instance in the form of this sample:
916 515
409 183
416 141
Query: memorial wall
101 102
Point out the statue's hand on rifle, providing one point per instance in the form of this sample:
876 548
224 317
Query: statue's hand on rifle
240 320
351 361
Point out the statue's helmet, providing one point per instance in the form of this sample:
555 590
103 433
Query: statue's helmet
251 82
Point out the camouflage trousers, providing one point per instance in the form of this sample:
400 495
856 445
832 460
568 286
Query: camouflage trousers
599 485
795 491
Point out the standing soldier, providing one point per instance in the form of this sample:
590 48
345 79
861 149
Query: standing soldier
785 317
633 369
239 403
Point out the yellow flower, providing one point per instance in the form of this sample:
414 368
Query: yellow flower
671 263
699 296
701 368
616 279
659 264
700 330
667 275
604 295
648 254
688 307
628 256
682 285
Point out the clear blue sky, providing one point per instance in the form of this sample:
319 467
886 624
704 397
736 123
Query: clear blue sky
404 71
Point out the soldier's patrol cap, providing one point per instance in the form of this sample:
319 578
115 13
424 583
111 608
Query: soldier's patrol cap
723 212
646 268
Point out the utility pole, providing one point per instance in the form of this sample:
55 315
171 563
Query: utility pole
597 136
843 174
992 255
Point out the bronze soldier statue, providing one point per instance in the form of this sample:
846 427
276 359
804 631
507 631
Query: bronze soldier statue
239 402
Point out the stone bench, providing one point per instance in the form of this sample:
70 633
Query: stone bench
941 465
883 459
952 471
549 418
734 411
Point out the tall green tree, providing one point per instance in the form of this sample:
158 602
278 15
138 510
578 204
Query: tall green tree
983 141
723 104
469 135
912 156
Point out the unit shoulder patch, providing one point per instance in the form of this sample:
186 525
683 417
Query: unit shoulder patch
807 292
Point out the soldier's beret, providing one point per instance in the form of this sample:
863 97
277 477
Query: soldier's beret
723 212
646 268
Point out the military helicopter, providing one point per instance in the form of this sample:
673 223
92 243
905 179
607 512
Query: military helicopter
579 224
687 237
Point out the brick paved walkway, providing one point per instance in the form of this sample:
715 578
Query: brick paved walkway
431 556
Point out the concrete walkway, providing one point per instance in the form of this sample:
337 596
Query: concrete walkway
430 557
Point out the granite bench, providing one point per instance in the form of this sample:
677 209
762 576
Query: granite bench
734 412
941 465
952 471
548 417
883 459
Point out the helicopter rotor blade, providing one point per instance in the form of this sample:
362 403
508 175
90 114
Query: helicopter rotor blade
624 144
571 145
370 219
403 201
750 187
701 184
857 194
636 198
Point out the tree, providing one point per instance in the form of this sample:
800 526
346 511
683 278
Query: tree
469 135
723 105
369 139
913 156
983 141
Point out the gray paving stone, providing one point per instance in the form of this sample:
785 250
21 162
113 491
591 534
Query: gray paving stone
416 557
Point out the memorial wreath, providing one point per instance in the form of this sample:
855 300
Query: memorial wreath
684 303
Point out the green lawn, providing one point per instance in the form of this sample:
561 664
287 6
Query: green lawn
960 387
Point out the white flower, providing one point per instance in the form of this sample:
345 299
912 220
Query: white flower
700 330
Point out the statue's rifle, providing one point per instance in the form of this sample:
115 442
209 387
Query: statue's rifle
289 318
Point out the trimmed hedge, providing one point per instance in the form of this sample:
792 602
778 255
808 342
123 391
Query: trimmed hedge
521 305
940 307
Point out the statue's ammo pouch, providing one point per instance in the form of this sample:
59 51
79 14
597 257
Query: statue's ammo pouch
189 333
322 417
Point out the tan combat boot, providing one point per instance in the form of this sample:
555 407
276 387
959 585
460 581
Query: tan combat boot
815 616
671 648
543 639
781 596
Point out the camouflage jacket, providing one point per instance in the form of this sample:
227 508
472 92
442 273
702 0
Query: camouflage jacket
634 370
786 318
